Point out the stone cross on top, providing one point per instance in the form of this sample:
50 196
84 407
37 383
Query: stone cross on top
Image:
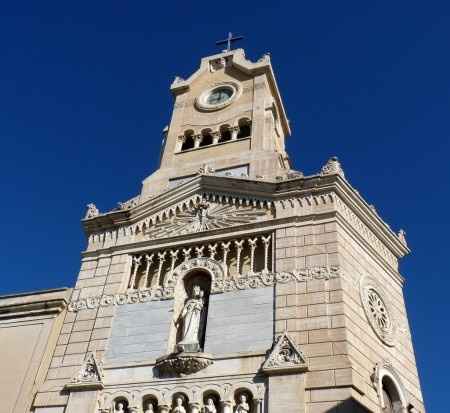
229 40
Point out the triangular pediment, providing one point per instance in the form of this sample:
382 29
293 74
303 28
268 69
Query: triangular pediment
284 357
90 375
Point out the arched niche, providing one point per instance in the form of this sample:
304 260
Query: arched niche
121 405
180 399
390 389
243 396
196 277
150 404
211 396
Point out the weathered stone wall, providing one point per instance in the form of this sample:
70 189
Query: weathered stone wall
140 331
363 346
85 330
240 321
313 311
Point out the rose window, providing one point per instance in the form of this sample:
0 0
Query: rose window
378 310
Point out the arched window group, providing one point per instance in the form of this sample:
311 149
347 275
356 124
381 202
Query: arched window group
211 401
207 137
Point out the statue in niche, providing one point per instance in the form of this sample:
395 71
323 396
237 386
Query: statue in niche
179 408
119 408
243 406
191 320
150 408
210 407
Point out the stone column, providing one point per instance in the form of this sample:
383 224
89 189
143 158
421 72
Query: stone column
163 408
212 251
234 132
149 261
216 137
239 247
266 242
137 262
197 140
187 254
252 242
162 258
194 407
226 250
227 406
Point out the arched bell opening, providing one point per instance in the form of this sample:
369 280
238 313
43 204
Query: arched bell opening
188 141
245 128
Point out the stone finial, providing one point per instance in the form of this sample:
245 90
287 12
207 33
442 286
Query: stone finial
177 80
264 57
402 236
333 166
92 211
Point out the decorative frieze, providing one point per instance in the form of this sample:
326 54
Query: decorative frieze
219 285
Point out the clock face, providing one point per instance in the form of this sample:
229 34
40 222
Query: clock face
219 95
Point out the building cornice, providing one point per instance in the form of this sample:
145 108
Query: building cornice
46 302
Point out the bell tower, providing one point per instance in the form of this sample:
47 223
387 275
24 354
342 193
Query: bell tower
228 116
233 284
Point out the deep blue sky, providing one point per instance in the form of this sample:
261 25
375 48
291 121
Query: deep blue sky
84 95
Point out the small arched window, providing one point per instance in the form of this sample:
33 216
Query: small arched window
207 138
225 133
391 391
188 142
245 129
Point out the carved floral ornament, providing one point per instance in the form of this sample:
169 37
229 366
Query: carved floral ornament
219 284
378 310
90 375
284 357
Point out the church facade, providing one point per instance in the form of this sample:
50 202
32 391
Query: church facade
231 283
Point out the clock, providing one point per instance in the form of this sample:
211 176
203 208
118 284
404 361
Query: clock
218 96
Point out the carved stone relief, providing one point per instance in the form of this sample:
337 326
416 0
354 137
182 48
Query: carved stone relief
284 357
90 375
219 285
203 217
378 310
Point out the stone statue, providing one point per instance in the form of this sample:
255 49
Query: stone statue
210 406
179 408
119 408
191 320
243 406
150 408
92 211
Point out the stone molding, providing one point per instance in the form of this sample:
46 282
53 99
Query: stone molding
181 364
219 285
46 302
284 357
386 369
